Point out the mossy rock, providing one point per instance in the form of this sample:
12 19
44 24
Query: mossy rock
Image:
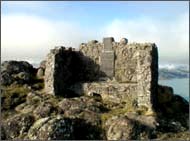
44 109
17 125
13 96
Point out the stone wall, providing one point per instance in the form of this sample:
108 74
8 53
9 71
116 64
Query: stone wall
114 92
65 67
135 63
133 67
62 65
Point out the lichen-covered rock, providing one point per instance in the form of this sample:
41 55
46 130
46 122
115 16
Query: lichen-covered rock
51 128
25 108
23 77
149 121
6 78
41 70
118 107
40 73
121 129
62 128
13 96
173 110
75 106
14 67
41 105
16 72
124 128
33 98
17 125
44 109
169 104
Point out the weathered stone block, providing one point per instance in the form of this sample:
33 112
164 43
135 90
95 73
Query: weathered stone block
107 57
108 43
107 63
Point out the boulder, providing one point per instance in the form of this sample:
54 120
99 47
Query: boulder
40 73
124 128
80 104
123 41
17 125
44 109
121 128
41 69
51 128
14 67
60 127
179 104
13 96
18 72
23 77
165 94
33 98
25 108
6 78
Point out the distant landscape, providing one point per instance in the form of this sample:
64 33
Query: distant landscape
177 77
166 71
173 71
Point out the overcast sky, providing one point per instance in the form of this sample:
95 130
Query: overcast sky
30 29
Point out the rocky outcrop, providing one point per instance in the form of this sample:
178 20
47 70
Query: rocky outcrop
124 128
54 118
84 100
51 128
19 72
17 126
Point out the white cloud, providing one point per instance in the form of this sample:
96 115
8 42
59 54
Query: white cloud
171 37
28 36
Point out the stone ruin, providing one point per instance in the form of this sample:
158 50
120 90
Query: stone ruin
117 71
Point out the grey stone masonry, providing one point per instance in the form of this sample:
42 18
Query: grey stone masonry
132 68
107 58
134 63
